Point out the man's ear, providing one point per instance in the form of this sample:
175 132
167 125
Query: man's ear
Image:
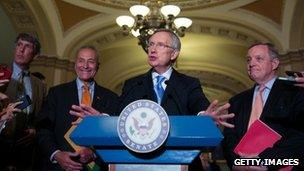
275 64
174 55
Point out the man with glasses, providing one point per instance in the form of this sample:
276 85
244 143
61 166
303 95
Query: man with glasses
177 93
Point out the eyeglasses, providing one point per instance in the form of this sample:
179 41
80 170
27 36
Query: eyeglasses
160 46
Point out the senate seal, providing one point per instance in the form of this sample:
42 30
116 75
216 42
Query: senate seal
143 126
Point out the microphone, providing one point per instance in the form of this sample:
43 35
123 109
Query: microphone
175 100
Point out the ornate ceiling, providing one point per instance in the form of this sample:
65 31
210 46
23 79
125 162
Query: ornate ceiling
212 50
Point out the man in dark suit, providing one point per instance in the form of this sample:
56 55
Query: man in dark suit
18 137
177 93
180 94
282 109
57 152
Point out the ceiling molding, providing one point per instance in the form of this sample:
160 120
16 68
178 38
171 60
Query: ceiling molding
184 4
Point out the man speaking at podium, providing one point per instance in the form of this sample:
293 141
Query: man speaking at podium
177 93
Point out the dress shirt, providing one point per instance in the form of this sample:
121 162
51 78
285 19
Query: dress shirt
266 92
80 84
166 74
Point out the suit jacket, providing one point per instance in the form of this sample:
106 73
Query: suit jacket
38 96
56 119
283 112
183 94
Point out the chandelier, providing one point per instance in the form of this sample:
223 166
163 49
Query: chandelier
150 16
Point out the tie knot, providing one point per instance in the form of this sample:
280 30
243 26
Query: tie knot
160 79
24 73
85 86
262 88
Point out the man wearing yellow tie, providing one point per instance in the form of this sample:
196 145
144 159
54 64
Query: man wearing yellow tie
278 104
56 121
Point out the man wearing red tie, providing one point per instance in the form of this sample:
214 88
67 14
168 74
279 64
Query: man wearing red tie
56 121
278 104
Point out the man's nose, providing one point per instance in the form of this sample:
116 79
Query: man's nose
152 49
21 48
85 64
251 63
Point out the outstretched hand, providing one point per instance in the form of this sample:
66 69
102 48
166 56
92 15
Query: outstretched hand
219 113
82 110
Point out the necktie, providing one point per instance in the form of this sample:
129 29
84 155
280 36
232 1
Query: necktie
20 85
257 106
86 96
86 100
159 90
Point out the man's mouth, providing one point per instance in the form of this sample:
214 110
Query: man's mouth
152 58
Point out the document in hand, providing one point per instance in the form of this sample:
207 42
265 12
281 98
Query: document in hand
257 138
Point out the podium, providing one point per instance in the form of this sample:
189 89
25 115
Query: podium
188 136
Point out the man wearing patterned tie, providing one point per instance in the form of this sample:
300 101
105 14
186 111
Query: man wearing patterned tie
61 100
17 139
277 103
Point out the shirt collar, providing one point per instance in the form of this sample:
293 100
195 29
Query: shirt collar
166 74
80 84
17 70
269 84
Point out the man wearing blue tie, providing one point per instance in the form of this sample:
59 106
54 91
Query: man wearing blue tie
177 93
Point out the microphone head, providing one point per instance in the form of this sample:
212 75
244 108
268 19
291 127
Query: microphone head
167 82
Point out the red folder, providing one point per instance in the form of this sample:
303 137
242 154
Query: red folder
258 137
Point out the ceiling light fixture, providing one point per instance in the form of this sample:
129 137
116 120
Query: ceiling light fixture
151 16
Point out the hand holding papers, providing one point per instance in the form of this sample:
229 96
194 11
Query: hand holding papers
258 137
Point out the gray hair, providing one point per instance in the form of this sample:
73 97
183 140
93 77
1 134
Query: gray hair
272 50
176 44
89 47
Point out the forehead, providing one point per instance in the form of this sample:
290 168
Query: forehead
258 50
160 37
87 54
24 42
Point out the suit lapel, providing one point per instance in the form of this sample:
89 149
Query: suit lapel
246 110
98 98
173 81
74 93
35 93
271 100
149 88
11 90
